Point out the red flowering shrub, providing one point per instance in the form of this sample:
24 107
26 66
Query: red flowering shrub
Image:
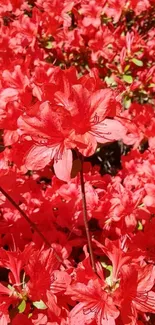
77 162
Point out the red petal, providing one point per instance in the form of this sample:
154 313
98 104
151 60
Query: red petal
38 157
108 130
63 166
146 278
88 141
77 315
149 201
100 103
10 137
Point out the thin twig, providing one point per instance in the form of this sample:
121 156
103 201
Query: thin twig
31 223
85 218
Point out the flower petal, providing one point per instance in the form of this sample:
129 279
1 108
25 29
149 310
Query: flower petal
63 165
101 104
38 157
108 130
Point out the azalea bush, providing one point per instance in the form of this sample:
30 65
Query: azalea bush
77 158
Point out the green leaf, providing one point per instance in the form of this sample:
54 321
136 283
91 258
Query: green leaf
137 62
139 52
142 205
128 78
39 304
49 46
152 85
30 315
110 269
22 306
110 81
107 267
10 287
139 226
127 67
127 102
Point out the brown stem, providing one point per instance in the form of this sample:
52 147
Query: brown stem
85 218
31 223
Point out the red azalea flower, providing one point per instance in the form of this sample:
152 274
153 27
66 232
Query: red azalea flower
78 120
95 304
134 293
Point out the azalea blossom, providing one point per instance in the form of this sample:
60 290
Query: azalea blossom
77 121
77 162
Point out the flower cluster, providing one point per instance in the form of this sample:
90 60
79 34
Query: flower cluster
77 157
